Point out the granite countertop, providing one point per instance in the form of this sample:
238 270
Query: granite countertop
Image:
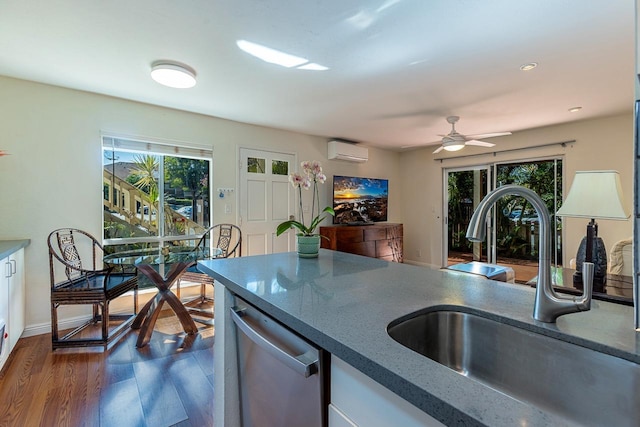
344 302
7 247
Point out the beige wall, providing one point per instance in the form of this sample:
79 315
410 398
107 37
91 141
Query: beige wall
53 177
605 143
54 173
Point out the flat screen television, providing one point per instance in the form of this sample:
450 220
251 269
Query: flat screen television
359 200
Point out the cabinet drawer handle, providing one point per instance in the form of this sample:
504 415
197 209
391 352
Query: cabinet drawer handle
7 269
13 268
293 362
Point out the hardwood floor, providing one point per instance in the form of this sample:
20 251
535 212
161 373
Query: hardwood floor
167 383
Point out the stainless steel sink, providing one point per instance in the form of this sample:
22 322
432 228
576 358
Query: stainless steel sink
574 382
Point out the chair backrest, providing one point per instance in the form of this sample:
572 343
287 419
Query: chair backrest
621 258
69 246
227 237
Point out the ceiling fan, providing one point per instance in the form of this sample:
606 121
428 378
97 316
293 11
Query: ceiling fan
455 141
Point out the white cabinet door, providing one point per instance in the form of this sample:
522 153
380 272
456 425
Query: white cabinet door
17 300
338 419
363 402
5 274
12 302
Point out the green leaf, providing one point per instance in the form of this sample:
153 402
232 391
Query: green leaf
283 227
304 230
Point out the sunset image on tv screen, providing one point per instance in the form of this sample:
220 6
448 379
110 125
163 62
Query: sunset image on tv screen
359 200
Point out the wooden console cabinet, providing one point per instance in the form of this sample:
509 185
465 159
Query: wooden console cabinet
380 240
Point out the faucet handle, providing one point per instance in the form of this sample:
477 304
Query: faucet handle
588 269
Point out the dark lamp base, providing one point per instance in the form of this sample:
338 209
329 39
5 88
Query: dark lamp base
598 258
599 282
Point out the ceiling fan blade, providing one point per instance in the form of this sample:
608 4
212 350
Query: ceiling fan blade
488 135
439 149
479 143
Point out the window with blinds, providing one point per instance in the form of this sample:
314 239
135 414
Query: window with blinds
154 191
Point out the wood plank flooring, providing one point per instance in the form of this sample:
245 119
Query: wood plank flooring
167 383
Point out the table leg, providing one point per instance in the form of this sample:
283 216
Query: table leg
150 321
142 314
148 316
180 310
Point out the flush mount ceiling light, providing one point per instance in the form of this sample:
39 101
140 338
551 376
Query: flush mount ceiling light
528 66
575 109
277 57
173 74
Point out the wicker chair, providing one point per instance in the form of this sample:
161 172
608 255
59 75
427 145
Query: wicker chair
226 237
78 255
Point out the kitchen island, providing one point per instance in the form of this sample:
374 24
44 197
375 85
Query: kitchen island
343 303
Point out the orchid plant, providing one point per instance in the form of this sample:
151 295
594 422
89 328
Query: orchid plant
311 176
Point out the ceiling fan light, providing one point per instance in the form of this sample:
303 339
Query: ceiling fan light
454 147
173 75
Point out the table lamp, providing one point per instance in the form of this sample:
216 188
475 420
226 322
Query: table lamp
594 194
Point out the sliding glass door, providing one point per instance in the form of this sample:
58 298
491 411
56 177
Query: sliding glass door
464 188
517 226
513 231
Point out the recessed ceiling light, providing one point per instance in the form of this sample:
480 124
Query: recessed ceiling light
277 57
173 74
528 66
313 66
269 55
575 109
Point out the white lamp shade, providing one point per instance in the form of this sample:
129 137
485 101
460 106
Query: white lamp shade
595 194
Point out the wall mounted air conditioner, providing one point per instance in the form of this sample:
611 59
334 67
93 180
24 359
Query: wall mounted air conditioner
345 151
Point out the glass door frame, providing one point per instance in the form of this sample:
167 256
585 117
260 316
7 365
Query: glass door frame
445 204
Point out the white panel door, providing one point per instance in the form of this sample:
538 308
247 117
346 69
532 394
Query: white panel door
266 200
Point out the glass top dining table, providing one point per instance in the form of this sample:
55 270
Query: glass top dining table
152 262
160 256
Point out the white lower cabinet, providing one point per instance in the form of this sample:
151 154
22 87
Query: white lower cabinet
12 302
357 400
4 311
338 419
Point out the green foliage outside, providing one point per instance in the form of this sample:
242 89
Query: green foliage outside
516 220
191 176
461 185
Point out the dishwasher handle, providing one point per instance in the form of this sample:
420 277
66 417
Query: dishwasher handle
298 363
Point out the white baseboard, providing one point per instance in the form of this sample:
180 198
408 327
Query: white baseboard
45 328
123 304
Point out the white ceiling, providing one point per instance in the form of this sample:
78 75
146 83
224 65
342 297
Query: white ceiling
397 67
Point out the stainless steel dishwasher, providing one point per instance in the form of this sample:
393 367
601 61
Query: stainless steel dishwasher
281 374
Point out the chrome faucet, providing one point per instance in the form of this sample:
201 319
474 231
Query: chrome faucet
548 304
